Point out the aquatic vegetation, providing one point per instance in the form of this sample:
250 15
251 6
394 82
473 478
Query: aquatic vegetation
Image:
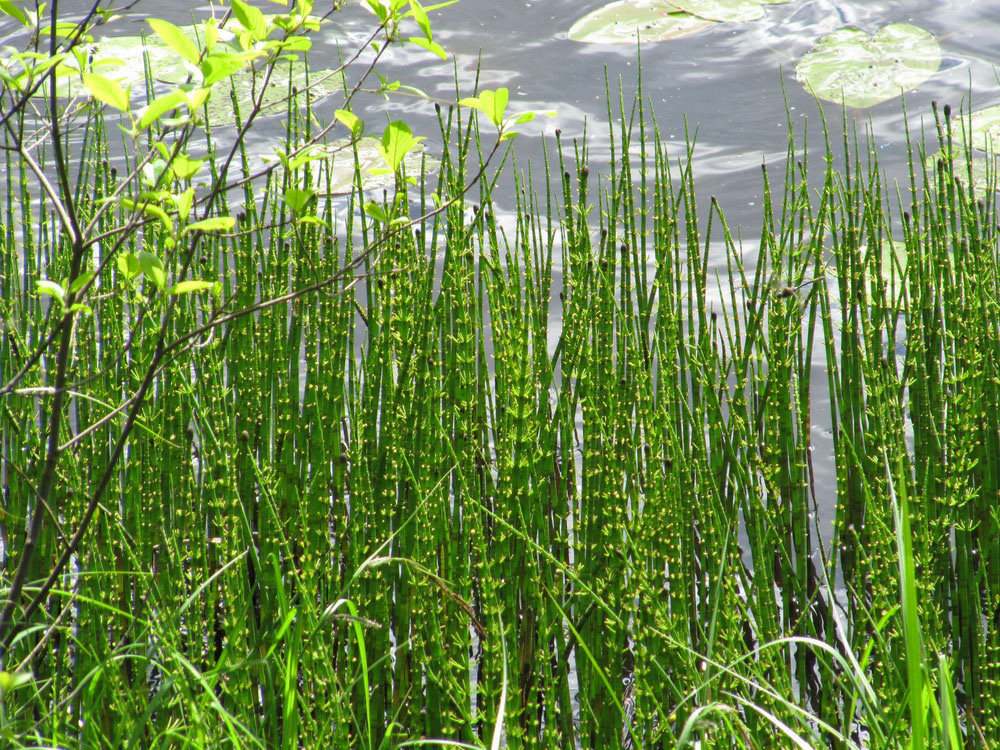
861 69
721 10
625 21
980 129
404 469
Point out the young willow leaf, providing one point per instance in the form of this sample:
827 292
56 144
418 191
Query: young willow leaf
298 199
214 224
429 45
862 70
721 10
250 18
107 91
51 288
350 121
493 104
376 211
625 21
152 268
128 265
186 287
420 16
176 39
10 9
397 141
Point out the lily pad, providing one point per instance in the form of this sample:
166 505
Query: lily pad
123 58
862 70
274 101
374 175
984 125
624 21
722 10
985 167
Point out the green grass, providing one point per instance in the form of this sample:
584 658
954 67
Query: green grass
456 490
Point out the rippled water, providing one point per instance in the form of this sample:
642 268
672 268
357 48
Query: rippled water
727 80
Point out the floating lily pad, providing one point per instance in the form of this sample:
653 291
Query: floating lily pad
861 70
722 10
623 21
985 167
123 58
372 165
247 85
984 125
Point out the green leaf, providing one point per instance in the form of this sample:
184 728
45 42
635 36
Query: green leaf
214 224
951 732
176 39
428 45
311 219
186 287
10 9
494 104
420 16
250 18
50 288
184 201
297 199
151 209
379 10
157 108
350 121
158 213
376 211
304 156
217 67
626 21
490 103
721 10
185 168
82 280
210 34
128 265
11 681
862 70
296 44
107 91
397 141
152 268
